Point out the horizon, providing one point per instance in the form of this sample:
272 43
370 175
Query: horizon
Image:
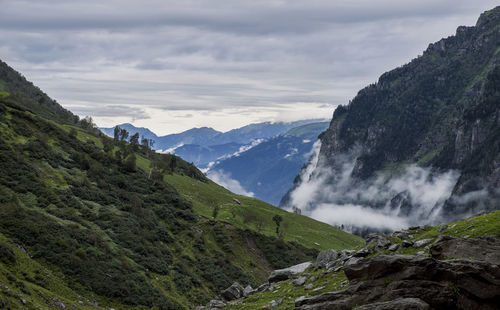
184 65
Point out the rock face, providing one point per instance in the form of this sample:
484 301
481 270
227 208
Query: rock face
326 257
440 111
287 273
402 279
484 249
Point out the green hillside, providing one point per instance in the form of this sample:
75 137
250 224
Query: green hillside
86 220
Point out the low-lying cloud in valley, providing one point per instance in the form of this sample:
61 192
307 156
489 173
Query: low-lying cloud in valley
393 199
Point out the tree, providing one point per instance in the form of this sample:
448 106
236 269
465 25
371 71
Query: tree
130 163
134 139
116 133
123 134
277 219
215 211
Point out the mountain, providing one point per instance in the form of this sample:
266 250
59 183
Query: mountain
202 156
268 169
88 222
421 145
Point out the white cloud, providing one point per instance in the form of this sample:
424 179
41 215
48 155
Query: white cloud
224 179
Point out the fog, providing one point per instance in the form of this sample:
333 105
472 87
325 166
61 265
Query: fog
392 199
224 179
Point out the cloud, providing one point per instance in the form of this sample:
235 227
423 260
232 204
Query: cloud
390 200
224 179
195 56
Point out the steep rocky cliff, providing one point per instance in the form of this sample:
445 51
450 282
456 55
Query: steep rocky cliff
420 144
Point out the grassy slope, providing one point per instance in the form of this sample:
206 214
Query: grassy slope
252 212
488 224
204 196
240 249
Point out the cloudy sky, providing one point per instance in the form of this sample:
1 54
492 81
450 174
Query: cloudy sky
174 65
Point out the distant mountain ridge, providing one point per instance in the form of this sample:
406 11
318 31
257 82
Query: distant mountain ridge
268 169
206 136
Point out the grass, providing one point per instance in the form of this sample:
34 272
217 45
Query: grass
323 282
257 215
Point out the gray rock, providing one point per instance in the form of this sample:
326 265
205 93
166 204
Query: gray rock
483 249
299 281
325 257
233 292
352 260
394 247
275 303
216 303
362 253
407 243
398 304
300 298
422 243
440 284
402 234
287 273
442 227
308 287
263 287
379 241
248 290
345 255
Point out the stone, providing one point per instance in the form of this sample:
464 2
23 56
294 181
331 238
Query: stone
352 260
263 287
216 303
398 304
377 241
362 253
318 289
287 273
275 303
442 227
233 292
484 249
299 281
421 243
441 284
308 287
325 257
394 247
247 291
407 243
299 299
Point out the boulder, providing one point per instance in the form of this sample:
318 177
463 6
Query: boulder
398 304
287 273
216 303
377 242
299 281
441 284
442 227
247 291
421 243
483 249
326 257
233 292
407 243
394 247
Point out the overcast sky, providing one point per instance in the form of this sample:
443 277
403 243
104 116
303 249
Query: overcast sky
174 65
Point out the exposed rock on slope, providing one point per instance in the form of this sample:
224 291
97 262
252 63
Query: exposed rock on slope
431 126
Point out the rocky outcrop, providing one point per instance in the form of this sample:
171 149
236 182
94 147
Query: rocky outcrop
287 273
233 292
398 304
484 248
440 284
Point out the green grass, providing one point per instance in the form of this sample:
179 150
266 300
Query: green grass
257 215
327 282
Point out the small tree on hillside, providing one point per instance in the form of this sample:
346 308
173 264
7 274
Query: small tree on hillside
277 219
130 164
215 211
